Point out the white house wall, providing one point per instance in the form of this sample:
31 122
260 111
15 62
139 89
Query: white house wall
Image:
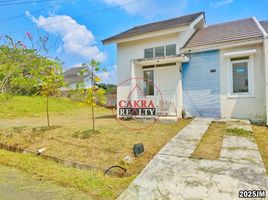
128 51
266 76
87 82
72 86
247 107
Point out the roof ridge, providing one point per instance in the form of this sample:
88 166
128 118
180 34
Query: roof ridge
222 23
260 27
165 20
241 29
156 26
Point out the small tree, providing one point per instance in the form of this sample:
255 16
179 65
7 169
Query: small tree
94 95
50 81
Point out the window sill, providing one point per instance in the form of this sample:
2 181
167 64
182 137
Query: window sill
239 96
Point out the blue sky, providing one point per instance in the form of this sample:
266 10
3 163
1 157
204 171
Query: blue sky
76 27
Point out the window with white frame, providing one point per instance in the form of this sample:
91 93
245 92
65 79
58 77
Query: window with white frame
171 50
160 51
149 53
241 76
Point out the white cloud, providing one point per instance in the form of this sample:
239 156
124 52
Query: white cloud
131 8
150 8
77 39
109 76
218 4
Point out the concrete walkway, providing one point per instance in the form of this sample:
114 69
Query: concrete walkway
241 150
184 143
171 174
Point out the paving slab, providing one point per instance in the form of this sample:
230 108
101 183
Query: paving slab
237 124
241 149
184 143
168 177
245 127
172 174
231 120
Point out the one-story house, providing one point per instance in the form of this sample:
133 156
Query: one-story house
216 71
76 77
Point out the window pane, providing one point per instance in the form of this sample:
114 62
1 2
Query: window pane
240 77
148 53
171 50
148 82
159 51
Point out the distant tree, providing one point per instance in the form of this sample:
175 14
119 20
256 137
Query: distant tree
94 95
110 88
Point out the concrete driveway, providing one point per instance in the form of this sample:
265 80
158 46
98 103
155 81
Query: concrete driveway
172 174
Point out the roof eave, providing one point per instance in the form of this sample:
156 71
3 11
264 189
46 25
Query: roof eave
115 39
260 27
222 45
146 35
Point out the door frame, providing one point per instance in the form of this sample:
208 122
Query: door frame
156 95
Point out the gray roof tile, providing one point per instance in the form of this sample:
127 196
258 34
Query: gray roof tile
72 75
225 32
156 26
264 25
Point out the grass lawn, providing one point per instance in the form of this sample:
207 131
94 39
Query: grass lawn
210 145
21 106
71 138
92 183
261 137
29 187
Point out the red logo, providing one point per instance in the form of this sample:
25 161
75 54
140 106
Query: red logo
138 105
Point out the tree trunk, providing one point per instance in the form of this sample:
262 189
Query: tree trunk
47 114
93 119
92 106
3 88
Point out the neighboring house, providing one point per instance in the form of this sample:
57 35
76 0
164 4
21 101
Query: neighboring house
76 77
209 71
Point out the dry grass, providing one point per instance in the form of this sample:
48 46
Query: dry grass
261 137
71 137
210 145
93 183
31 187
